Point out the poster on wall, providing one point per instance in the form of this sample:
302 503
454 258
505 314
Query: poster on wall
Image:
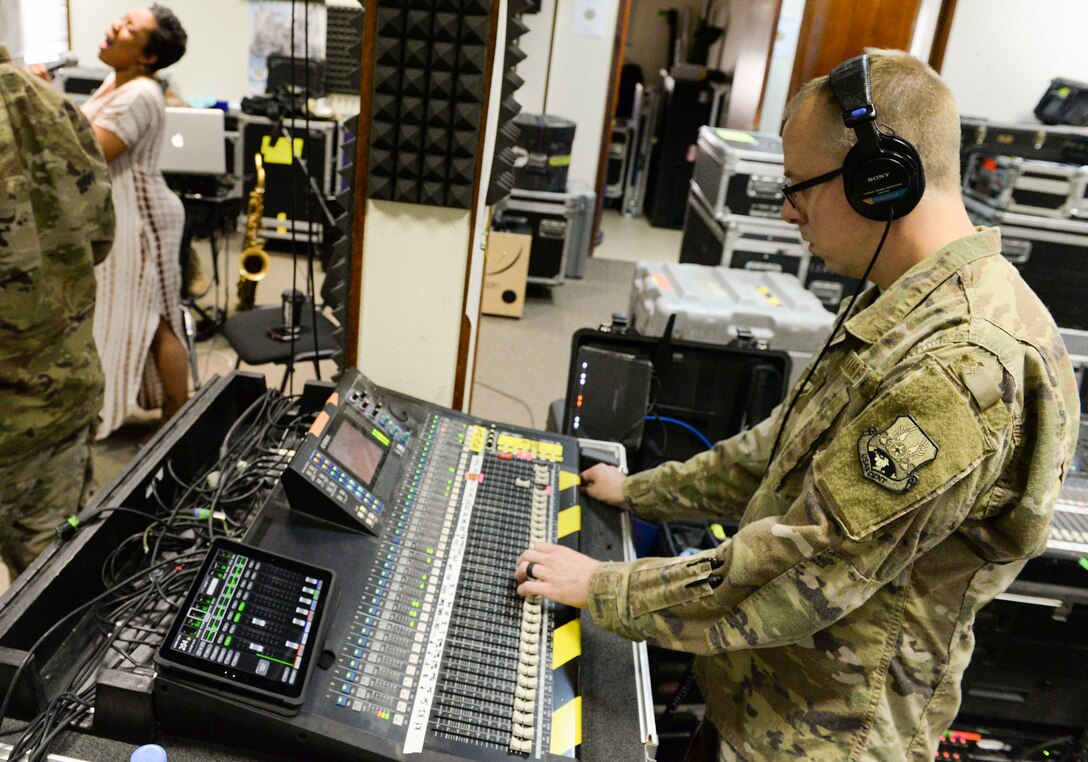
270 31
589 19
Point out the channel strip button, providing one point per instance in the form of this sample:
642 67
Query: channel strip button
338 484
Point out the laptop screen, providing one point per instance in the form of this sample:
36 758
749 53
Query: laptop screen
193 142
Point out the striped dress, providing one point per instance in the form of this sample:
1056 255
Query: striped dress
139 282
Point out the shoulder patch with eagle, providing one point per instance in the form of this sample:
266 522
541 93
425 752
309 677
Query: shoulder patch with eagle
892 456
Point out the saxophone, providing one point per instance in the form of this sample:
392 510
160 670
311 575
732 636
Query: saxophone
253 263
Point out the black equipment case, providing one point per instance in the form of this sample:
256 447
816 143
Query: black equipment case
543 147
561 225
1051 255
694 96
1064 102
698 393
1060 143
830 288
743 242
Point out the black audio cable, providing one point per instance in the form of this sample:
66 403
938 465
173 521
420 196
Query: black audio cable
800 388
688 681
131 613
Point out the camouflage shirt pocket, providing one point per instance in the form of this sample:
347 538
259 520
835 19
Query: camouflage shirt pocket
20 257
677 582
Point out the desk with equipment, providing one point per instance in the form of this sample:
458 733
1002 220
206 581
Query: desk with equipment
364 608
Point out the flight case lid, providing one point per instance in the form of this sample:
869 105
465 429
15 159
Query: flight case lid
698 393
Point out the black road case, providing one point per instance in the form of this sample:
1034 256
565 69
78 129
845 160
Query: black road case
561 225
288 212
1051 255
1026 186
1064 102
747 243
702 392
831 288
693 97
1067 145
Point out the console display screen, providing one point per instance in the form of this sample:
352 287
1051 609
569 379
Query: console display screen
358 451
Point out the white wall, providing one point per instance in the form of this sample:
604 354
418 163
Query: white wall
11 33
576 86
781 67
1002 54
536 44
34 31
214 66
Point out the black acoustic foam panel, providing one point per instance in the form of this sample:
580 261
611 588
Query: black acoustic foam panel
343 32
502 167
428 100
335 289
429 89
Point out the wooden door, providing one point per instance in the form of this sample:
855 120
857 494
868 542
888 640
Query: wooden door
835 30
746 54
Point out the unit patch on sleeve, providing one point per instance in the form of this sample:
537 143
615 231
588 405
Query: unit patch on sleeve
892 456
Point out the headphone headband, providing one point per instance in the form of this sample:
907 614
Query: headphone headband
882 174
850 83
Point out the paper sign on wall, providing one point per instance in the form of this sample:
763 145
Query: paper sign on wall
589 18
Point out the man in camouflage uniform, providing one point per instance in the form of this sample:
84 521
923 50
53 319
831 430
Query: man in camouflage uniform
56 224
914 476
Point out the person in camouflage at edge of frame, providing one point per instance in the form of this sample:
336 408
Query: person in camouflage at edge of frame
915 476
56 223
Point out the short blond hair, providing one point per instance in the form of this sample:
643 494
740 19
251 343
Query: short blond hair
911 99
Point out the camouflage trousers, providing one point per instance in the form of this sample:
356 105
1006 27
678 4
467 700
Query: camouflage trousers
38 493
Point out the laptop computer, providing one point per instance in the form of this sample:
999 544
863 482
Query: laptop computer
193 142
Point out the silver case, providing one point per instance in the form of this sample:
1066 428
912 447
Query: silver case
1065 184
717 304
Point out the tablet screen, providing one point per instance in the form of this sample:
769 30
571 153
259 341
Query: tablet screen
250 621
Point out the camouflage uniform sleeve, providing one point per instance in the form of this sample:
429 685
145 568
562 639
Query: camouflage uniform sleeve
714 484
850 531
96 189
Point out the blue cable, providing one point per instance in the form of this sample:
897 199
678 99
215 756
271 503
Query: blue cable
687 426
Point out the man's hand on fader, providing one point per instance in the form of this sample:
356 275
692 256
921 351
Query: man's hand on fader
556 573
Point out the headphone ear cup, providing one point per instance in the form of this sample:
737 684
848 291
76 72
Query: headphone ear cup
887 181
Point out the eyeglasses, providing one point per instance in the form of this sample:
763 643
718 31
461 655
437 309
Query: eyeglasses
788 190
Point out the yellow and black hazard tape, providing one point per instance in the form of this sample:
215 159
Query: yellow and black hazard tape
566 719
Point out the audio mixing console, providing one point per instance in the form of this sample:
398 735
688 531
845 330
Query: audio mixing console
420 513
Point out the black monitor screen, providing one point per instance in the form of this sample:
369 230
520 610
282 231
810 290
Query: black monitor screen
358 450
250 622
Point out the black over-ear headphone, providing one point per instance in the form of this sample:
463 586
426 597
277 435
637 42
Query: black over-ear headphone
882 174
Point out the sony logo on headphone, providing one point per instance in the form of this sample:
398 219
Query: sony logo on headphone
881 176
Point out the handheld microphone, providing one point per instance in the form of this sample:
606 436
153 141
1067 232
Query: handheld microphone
68 59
